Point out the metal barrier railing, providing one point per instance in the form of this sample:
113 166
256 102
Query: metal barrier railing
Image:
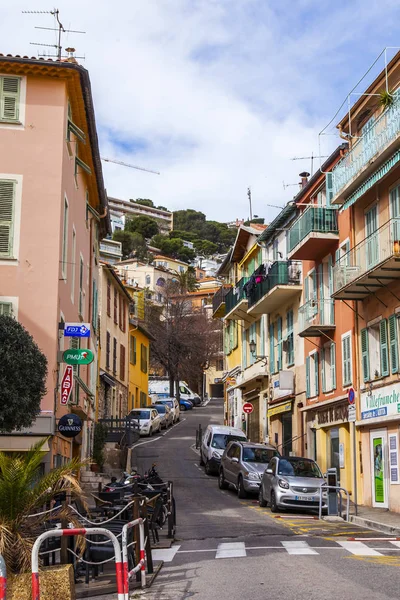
339 491
69 533
3 579
141 564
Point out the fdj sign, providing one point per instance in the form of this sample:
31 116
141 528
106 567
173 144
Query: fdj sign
77 330
78 357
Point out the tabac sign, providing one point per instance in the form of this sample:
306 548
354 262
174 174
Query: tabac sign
67 384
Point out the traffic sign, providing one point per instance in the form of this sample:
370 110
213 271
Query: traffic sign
70 425
248 408
67 384
77 330
351 395
78 357
352 413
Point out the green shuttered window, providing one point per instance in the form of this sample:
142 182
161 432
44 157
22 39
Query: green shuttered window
365 354
7 209
346 360
393 344
9 98
384 347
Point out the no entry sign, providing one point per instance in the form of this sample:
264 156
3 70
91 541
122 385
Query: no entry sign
248 408
66 384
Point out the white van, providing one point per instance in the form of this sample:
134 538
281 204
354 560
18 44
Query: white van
215 439
160 385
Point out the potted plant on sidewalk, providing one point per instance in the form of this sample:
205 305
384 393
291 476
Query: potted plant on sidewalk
24 492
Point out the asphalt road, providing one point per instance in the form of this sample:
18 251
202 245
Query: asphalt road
228 548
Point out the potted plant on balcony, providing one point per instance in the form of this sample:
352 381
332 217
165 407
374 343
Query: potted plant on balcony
24 491
386 99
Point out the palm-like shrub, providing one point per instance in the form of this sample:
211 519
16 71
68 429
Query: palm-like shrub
23 492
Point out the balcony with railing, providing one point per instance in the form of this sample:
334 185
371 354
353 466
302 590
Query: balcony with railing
218 302
316 317
367 153
236 301
372 264
282 282
314 233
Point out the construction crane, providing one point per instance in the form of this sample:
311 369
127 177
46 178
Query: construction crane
119 162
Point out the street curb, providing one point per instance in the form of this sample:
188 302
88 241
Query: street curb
375 525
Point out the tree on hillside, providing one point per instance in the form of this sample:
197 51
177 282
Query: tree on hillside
173 248
205 248
189 220
144 202
132 243
144 225
22 376
194 221
189 236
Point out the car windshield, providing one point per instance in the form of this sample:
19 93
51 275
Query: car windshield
299 468
141 414
160 408
258 455
168 403
221 440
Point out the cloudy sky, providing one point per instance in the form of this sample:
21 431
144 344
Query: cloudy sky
217 95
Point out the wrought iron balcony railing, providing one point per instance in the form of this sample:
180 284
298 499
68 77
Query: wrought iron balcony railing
315 219
236 294
281 272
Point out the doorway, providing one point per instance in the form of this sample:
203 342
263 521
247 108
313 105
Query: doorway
287 443
334 450
379 468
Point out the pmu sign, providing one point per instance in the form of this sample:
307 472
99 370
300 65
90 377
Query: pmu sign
78 357
81 330
66 384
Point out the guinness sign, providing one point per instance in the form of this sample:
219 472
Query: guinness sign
70 425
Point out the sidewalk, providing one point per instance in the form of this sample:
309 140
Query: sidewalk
379 519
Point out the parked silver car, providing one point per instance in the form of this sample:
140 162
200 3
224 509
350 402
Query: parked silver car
291 482
165 412
243 464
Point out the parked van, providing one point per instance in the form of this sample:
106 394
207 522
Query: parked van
160 385
215 440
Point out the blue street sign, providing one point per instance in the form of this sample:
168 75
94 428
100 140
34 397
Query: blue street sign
81 330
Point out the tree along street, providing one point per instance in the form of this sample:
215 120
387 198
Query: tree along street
228 548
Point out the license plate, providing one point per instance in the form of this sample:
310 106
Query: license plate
305 498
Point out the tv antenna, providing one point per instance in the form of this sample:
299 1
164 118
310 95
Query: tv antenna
60 28
308 158
124 164
249 197
286 185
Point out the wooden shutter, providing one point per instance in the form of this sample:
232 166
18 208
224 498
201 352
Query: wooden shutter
365 354
244 348
262 336
321 292
108 297
7 201
9 98
316 364
108 350
279 338
132 357
333 365
307 376
122 362
323 379
115 356
346 360
384 347
5 309
330 283
272 348
393 343
329 188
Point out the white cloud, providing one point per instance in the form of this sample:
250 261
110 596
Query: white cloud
216 94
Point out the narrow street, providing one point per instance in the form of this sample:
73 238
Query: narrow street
219 535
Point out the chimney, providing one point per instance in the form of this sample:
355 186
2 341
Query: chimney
71 58
304 179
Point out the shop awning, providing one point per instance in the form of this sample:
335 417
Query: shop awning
281 408
107 379
21 443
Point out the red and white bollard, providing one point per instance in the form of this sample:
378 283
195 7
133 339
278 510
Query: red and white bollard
72 532
3 579
141 564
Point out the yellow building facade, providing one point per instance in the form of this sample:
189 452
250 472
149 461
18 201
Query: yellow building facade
139 355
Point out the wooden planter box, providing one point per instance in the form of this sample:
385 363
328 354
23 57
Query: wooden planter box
56 583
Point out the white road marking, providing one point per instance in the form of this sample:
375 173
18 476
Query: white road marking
165 554
396 544
231 550
298 547
154 439
359 549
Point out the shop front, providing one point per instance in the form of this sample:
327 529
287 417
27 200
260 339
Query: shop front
379 431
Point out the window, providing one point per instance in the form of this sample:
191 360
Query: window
115 356
143 358
275 250
115 306
7 208
9 98
132 350
342 253
73 260
143 399
328 367
124 315
312 387
395 202
81 303
220 364
65 240
231 336
279 344
379 349
6 309
272 348
122 362
346 359
108 350
108 297
289 339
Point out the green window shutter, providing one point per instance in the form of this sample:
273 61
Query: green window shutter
279 339
230 336
306 289
384 347
337 256
9 98
346 360
226 340
323 350
330 283
393 344
365 354
290 337
333 365
272 348
5 309
329 188
262 336
321 291
244 348
235 335
316 357
7 203
307 377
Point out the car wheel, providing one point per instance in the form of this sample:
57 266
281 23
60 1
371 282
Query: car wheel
222 484
241 491
261 500
183 407
274 506
207 468
201 460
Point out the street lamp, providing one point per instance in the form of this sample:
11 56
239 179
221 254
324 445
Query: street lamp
253 351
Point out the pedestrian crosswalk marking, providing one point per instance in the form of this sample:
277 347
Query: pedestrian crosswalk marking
231 550
165 554
298 547
396 544
359 549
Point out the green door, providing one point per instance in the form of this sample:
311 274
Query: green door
371 231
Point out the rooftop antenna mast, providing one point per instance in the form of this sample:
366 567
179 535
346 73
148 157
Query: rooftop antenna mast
60 29
249 197
309 158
